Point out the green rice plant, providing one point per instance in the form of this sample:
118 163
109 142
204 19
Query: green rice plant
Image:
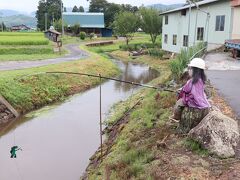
26 50
178 65
21 34
23 40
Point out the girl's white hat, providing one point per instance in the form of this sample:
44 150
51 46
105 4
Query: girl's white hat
198 63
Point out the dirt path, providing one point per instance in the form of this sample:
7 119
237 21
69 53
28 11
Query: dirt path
224 73
75 53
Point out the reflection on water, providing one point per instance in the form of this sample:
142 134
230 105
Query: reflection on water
58 140
134 73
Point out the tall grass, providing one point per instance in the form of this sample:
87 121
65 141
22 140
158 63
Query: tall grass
26 50
178 65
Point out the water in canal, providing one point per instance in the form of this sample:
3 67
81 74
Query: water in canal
57 141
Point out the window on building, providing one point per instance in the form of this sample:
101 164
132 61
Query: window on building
185 41
184 12
200 33
166 19
174 39
220 23
165 38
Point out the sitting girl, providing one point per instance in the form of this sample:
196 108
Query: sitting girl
192 93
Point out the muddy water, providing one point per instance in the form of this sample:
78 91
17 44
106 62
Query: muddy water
57 141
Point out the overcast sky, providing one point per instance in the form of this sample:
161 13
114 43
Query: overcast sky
31 5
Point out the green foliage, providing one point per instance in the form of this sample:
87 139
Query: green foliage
92 35
126 24
52 8
75 9
75 29
178 65
82 35
155 52
151 22
97 5
58 25
81 9
195 147
137 46
111 10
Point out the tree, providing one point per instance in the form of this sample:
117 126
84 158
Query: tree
129 8
151 22
111 10
75 9
126 24
51 7
81 9
58 25
3 27
97 5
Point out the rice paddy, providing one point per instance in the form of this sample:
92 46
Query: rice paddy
18 46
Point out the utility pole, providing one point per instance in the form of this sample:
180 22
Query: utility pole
62 18
194 42
46 21
189 21
53 19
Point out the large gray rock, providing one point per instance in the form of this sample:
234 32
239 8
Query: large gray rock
217 133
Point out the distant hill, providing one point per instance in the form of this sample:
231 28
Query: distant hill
19 19
8 12
164 7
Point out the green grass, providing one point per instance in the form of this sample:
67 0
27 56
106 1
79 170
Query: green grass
26 92
76 40
195 147
29 57
131 155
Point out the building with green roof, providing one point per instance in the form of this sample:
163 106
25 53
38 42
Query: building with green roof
89 22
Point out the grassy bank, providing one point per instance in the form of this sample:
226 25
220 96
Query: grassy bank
26 92
142 143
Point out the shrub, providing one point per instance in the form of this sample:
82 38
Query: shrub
178 65
92 35
75 29
155 52
130 47
82 35
137 46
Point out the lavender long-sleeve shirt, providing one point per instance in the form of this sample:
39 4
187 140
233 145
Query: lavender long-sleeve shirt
194 95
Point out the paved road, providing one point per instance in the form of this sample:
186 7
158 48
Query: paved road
224 74
228 84
75 54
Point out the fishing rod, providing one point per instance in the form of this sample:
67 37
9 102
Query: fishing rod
114 79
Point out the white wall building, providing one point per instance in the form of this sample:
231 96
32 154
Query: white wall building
214 22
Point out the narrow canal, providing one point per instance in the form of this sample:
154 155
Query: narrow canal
58 140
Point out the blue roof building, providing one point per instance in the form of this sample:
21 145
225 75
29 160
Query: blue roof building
89 22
